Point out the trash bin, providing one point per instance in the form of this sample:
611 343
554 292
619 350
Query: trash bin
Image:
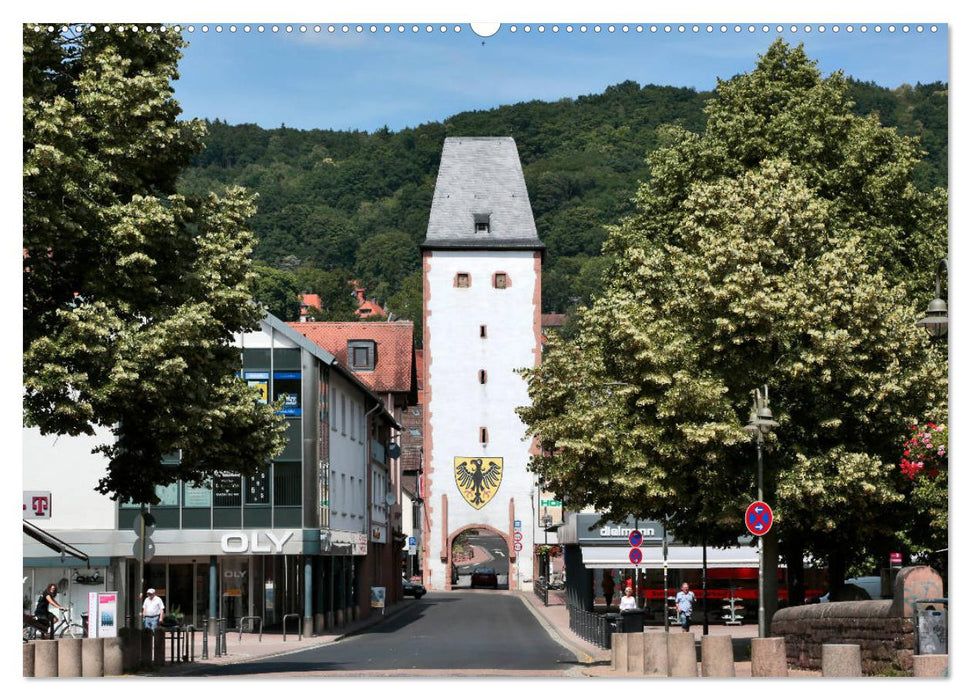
632 620
84 623
931 626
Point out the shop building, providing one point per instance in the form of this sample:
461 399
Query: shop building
294 542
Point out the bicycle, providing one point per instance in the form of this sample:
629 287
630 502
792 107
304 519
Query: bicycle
65 627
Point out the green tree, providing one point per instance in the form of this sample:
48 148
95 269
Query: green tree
781 246
132 294
406 304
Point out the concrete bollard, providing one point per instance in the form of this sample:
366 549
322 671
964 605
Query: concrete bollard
114 656
158 656
69 658
319 623
45 658
842 661
635 653
717 657
29 660
930 665
655 654
769 657
682 657
618 653
92 657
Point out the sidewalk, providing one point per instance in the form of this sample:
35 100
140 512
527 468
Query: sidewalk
250 648
595 662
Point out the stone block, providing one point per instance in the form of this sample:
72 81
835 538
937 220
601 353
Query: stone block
68 658
769 657
114 656
930 665
717 657
915 583
93 657
682 657
29 660
619 658
158 653
655 653
45 658
842 661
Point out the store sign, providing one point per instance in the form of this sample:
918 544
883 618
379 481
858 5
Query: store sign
590 531
257 542
37 505
341 542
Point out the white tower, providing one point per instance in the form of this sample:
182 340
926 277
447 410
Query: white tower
482 273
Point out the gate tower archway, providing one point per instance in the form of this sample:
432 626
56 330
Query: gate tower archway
502 562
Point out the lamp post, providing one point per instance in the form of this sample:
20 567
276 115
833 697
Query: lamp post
935 322
760 423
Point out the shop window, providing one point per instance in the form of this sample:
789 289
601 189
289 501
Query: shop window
286 388
227 490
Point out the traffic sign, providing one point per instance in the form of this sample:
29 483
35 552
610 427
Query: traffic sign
517 523
518 546
896 559
758 518
635 538
143 552
149 522
412 541
636 555
517 535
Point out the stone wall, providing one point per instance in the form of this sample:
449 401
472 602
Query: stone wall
884 629
886 641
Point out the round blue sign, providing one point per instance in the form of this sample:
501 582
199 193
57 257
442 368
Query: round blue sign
635 538
636 556
758 518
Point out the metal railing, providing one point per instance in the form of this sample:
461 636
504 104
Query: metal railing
590 626
182 643
250 617
299 626
542 591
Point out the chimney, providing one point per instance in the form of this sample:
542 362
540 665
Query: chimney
359 291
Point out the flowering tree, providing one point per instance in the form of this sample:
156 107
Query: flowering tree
924 462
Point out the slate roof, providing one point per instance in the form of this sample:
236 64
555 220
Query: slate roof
481 177
394 369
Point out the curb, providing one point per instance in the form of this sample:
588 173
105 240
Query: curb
581 655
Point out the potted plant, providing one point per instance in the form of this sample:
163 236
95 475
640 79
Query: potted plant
173 618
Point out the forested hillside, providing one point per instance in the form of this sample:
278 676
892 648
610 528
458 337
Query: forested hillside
342 205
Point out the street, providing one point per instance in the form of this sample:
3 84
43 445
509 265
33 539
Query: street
442 634
489 551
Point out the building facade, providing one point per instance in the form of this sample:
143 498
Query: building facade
482 280
292 542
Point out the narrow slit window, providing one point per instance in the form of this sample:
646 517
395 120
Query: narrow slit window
482 376
483 435
482 332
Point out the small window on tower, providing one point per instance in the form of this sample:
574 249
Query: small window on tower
462 279
500 281
483 435
481 223
482 376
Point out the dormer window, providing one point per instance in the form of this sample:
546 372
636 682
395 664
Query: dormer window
481 223
360 355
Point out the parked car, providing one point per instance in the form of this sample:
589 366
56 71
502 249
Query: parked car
862 588
413 589
482 576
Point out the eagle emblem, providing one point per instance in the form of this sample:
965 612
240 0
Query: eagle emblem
478 479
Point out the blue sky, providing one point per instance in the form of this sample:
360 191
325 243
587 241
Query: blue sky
364 80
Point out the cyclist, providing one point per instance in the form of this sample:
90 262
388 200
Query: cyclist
43 610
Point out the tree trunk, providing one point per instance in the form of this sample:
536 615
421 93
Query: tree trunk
796 585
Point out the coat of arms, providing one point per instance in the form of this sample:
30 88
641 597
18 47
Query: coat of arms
478 478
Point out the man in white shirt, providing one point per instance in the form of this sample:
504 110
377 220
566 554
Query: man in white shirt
152 610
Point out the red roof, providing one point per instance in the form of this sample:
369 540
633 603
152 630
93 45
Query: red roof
394 350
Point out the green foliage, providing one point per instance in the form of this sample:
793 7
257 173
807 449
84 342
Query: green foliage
784 246
132 294
329 198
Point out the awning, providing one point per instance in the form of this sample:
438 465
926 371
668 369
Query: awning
679 557
48 540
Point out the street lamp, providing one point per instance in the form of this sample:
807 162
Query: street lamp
761 423
935 322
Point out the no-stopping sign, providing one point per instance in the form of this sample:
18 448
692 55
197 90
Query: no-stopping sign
758 518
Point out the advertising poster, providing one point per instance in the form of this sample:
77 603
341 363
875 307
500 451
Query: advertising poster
377 598
107 614
92 613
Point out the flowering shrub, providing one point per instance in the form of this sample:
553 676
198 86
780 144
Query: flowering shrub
925 450
552 550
